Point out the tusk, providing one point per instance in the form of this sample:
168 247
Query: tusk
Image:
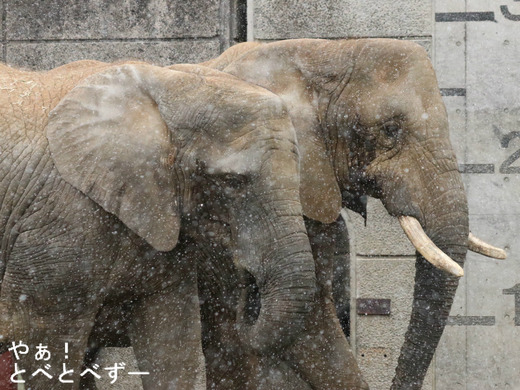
427 248
476 245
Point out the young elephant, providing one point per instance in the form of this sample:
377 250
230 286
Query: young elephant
370 120
109 172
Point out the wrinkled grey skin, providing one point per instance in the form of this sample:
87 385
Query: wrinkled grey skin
320 357
109 174
370 120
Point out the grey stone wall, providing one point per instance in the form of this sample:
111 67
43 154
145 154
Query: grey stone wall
45 34
283 19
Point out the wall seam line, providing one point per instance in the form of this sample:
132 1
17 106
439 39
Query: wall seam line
4 31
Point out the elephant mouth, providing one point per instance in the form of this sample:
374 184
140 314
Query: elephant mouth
425 246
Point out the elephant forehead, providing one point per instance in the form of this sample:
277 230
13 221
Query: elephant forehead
375 106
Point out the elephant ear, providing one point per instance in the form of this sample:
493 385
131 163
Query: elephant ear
108 140
319 190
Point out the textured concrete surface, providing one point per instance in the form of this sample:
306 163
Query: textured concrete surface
42 35
449 5
450 51
41 56
382 235
280 19
98 19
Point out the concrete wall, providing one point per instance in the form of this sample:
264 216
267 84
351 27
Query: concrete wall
476 50
45 34
283 19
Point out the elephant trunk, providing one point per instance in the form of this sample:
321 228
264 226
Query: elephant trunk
286 296
274 235
446 224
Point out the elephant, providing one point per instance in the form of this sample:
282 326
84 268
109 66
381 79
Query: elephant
319 357
111 173
370 121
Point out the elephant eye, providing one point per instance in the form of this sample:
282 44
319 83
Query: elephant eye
392 129
234 181
391 132
228 183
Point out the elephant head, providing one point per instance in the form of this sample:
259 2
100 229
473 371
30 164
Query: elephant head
370 120
151 145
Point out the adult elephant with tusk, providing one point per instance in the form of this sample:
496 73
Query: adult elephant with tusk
370 120
109 171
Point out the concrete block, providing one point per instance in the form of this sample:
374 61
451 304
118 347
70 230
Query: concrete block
382 234
493 116
100 19
276 19
390 278
382 363
492 358
487 87
49 55
487 278
377 365
483 5
450 360
492 96
493 194
379 338
450 54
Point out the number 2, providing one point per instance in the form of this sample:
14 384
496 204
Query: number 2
506 167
